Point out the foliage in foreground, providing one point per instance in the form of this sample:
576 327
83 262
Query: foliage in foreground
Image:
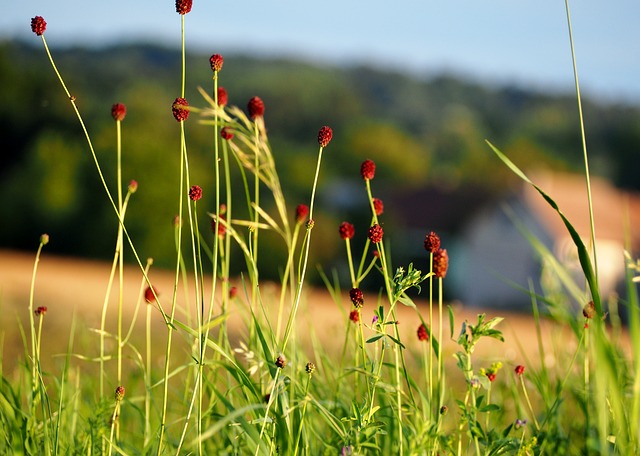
261 390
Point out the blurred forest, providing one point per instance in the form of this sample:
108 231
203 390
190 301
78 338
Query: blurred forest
424 135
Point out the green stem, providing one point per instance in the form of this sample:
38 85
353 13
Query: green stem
304 411
584 143
119 248
304 256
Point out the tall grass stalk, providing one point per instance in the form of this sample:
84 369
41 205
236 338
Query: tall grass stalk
583 139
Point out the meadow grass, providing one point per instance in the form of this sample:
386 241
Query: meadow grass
274 386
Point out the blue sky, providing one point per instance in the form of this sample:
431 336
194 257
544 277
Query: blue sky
506 41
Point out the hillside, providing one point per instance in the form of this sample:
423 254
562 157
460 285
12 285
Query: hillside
422 134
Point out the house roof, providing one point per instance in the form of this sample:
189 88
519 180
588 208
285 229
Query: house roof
616 212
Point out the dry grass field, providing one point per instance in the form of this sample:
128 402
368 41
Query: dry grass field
75 288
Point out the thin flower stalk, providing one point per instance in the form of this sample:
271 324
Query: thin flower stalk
181 197
520 376
115 267
304 410
398 355
304 257
119 247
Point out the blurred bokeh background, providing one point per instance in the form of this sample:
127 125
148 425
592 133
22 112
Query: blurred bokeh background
416 87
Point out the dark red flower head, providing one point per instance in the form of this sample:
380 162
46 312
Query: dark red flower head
519 370
375 233
432 242
440 263
179 113
150 295
183 6
226 133
223 96
281 362
354 316
195 193
423 334
118 111
324 136
119 395
233 292
40 311
255 107
133 186
346 230
216 62
302 211
378 206
357 297
368 169
38 25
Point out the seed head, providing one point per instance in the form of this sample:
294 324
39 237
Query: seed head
310 224
368 169
375 233
255 107
423 334
178 109
133 186
378 206
223 96
354 316
195 193
281 362
310 368
324 136
118 111
431 242
216 62
346 230
150 295
357 297
38 25
183 6
519 370
40 311
440 263
226 133
119 393
443 410
589 310
44 239
233 292
302 211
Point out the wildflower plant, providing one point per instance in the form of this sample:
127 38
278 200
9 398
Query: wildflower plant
257 389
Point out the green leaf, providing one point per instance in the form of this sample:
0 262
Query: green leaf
451 320
407 301
489 408
375 338
395 340
583 254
